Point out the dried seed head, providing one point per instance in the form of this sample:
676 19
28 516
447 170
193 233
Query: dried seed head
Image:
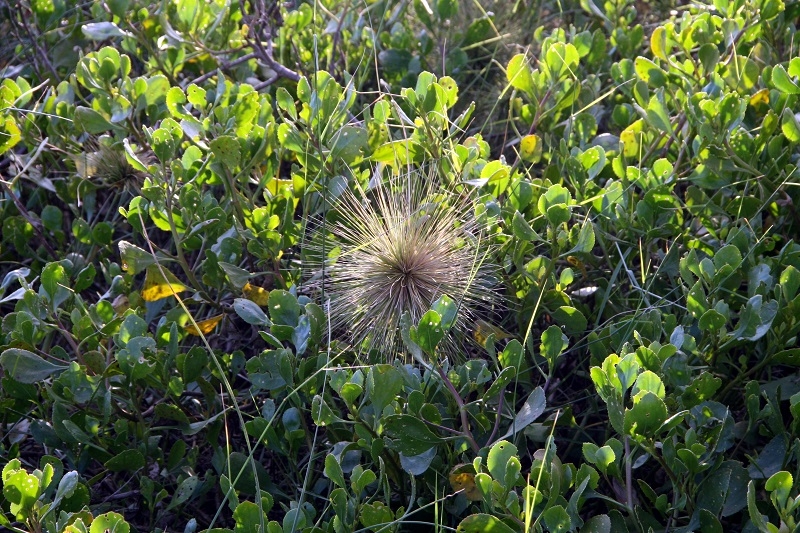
108 165
401 246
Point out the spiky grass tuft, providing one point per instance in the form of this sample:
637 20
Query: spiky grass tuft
108 165
401 246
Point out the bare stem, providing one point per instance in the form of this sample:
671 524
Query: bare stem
461 410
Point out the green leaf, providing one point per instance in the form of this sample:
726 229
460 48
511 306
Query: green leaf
728 255
503 378
512 355
523 230
519 74
184 492
593 160
646 416
483 523
446 8
416 465
752 508
756 318
649 72
132 159
573 321
741 74
283 308
783 82
532 409
495 171
780 485
658 43
90 121
226 149
561 58
447 310
376 514
21 489
395 61
384 382
556 519
27 367
10 134
348 143
709 57
790 357
350 392
250 312
110 522
412 436
238 276
196 96
597 524
586 238
55 283
321 413
249 518
360 481
399 154
555 196
553 343
497 460
286 102
100 31
127 461
790 282
429 332
658 114
650 382
333 470
789 126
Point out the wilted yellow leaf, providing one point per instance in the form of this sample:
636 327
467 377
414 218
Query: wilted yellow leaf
204 326
157 288
466 481
256 294
483 329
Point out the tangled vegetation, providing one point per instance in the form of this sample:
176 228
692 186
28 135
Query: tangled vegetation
399 265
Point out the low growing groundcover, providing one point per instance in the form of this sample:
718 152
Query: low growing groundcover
399 265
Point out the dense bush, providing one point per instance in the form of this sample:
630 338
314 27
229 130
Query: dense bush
573 226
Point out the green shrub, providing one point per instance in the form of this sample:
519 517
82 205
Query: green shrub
623 255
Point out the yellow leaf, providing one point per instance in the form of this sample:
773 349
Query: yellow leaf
466 481
157 288
483 329
256 294
530 148
632 139
204 326
760 101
